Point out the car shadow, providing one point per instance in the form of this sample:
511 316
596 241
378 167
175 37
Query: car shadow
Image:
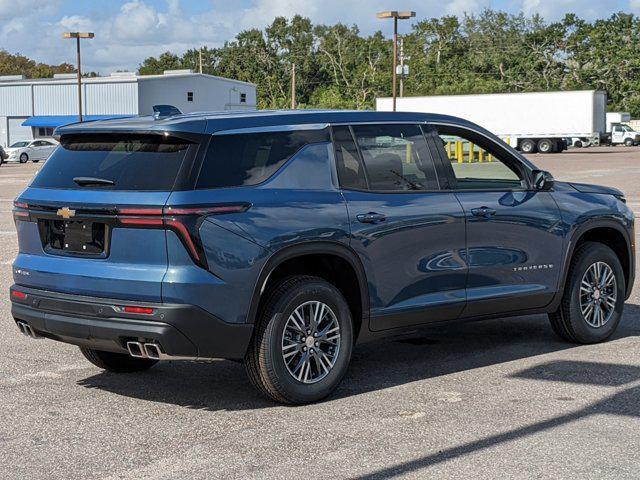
223 385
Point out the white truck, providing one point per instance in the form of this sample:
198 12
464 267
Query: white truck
618 133
531 122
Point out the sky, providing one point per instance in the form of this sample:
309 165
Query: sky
127 31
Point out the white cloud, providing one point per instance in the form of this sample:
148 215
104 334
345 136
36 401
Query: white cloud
11 8
458 7
556 9
136 21
127 34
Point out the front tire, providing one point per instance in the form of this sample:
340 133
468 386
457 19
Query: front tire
593 299
24 158
117 362
302 345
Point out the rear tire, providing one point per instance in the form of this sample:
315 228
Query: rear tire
628 142
528 146
277 358
545 145
117 362
570 321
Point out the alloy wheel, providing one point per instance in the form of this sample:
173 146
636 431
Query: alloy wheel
311 342
598 294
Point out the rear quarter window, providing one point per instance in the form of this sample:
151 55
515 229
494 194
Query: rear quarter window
147 163
235 160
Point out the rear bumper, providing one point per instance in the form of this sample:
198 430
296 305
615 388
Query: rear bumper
99 323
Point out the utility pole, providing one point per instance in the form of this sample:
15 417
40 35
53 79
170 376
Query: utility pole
78 36
293 86
402 66
402 16
395 58
200 59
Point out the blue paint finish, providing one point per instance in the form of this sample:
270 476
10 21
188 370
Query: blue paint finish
282 212
77 198
430 260
225 290
415 258
133 271
136 261
238 245
60 120
504 250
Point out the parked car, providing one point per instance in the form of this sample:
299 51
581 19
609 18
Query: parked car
283 238
3 155
580 142
34 150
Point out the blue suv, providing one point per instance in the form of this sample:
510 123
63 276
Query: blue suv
282 238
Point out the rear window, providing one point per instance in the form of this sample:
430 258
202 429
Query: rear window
234 160
148 163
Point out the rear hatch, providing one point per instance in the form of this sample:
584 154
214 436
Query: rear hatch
78 221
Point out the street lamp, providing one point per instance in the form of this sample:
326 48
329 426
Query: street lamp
396 16
78 36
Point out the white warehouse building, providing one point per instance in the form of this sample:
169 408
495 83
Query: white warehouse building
32 108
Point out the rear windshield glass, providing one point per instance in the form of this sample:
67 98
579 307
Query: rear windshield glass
250 158
114 162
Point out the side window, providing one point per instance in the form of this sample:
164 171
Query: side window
348 164
396 157
476 163
235 160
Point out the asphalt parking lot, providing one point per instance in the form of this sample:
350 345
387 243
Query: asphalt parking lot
495 399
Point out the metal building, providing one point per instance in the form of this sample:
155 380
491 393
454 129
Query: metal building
32 108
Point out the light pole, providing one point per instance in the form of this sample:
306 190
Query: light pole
78 36
396 16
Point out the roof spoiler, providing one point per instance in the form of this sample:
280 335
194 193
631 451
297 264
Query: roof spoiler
164 111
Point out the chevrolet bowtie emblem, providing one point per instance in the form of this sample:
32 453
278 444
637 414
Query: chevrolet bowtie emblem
66 212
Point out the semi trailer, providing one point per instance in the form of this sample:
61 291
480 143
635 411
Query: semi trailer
530 122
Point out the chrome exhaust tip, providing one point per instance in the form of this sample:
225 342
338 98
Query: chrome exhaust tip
136 349
21 327
27 330
152 351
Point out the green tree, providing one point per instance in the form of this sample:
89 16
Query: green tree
20 65
338 67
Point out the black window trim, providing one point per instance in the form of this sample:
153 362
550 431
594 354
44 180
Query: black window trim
350 125
523 169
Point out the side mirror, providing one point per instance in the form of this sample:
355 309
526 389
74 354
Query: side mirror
542 180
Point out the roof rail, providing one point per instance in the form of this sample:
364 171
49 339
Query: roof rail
163 111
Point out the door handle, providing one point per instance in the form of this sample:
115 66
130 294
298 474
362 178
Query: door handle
371 217
483 212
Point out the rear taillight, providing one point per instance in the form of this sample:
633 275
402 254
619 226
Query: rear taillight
185 221
20 211
18 295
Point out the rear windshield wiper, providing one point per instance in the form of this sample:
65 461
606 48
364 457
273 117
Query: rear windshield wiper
86 181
